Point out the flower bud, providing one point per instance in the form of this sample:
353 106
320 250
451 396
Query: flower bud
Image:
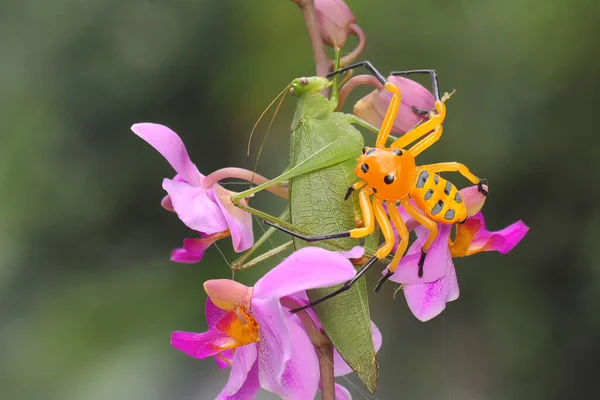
335 21
372 107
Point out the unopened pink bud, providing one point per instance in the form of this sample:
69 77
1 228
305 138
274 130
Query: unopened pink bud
372 108
335 21
228 294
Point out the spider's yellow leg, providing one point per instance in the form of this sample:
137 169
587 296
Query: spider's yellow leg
427 223
367 211
390 115
452 167
402 232
386 229
427 142
396 219
429 125
423 220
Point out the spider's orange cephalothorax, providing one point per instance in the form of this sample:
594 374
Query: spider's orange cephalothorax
390 173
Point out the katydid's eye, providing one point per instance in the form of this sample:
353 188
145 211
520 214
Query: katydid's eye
303 81
292 91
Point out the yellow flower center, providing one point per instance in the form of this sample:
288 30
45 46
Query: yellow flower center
240 326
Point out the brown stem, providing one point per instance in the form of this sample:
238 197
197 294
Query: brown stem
322 60
353 83
362 43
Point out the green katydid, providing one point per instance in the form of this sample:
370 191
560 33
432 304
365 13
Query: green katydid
324 149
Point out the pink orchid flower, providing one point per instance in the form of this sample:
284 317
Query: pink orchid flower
200 203
427 296
373 107
251 330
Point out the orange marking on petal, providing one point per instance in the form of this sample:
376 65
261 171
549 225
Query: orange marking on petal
240 326
464 238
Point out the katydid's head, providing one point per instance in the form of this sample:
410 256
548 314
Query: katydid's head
310 84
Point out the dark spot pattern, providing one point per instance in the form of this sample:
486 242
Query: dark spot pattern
374 190
449 214
448 188
423 176
458 198
397 152
436 179
428 194
389 179
364 168
437 208
364 150
370 151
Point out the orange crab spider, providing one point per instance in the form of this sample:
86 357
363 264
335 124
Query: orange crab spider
390 175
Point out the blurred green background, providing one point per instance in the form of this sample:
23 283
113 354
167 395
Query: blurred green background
88 297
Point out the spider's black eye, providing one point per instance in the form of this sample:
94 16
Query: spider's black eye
365 150
389 179
364 168
397 152
370 151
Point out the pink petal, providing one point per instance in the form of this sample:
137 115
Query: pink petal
213 313
502 241
436 261
426 300
248 390
243 360
300 378
192 251
200 345
341 393
169 144
474 199
224 358
353 253
195 208
307 268
274 333
472 237
166 201
340 368
238 220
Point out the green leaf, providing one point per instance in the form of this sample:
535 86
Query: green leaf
317 206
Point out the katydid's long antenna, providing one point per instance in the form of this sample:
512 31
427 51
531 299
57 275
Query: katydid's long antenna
282 93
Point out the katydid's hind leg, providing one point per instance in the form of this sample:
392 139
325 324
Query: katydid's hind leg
430 225
392 111
367 65
434 80
382 252
461 169
367 229
397 221
343 288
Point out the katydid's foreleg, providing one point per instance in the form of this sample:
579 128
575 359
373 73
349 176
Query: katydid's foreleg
367 229
240 263
237 265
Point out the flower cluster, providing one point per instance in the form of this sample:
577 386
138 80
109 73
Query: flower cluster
251 330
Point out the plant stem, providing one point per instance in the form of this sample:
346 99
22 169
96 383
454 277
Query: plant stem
322 61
